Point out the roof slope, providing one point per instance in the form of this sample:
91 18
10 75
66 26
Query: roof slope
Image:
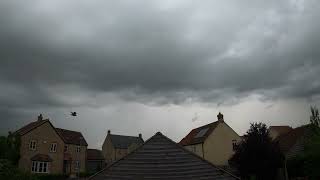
161 158
123 142
27 128
94 154
72 137
292 142
192 137
281 129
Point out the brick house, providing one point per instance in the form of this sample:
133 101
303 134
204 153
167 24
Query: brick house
48 150
117 146
214 142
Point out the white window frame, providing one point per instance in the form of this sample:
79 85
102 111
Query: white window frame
33 145
78 149
40 167
53 147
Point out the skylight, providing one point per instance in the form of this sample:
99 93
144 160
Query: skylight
202 132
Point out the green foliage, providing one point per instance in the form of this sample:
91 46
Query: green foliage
9 148
314 118
10 172
257 156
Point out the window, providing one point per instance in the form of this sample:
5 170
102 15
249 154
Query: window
78 149
234 145
77 165
53 147
194 148
201 133
65 148
39 167
33 145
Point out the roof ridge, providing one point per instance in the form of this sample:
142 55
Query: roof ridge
170 140
123 135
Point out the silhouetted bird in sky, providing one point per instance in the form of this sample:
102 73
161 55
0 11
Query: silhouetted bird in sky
73 113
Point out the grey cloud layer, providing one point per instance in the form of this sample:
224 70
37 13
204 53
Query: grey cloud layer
168 52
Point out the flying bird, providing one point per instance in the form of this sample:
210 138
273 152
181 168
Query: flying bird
73 114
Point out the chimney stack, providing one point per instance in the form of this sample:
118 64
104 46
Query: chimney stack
220 117
140 136
109 132
40 117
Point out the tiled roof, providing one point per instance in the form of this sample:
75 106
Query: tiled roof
41 157
194 138
27 128
72 137
94 154
123 142
292 143
281 129
161 158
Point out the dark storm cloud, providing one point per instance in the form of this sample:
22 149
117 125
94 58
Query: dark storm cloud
172 52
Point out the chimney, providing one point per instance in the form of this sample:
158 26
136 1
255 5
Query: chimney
109 132
140 136
220 117
40 117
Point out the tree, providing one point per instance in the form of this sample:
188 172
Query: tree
9 148
314 118
257 156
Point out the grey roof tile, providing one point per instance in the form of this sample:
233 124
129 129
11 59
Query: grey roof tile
123 142
161 158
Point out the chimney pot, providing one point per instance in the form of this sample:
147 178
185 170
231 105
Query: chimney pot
140 135
220 117
109 132
40 117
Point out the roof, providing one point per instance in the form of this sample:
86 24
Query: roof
281 129
123 142
194 136
161 158
41 157
294 140
27 128
72 137
94 154
69 137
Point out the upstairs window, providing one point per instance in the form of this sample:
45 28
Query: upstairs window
65 148
234 145
33 145
78 149
53 147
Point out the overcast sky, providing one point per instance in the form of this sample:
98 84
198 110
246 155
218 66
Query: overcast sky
147 66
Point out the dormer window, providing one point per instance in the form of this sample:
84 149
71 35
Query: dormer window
33 145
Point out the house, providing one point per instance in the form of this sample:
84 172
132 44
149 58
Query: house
214 142
161 158
116 146
293 143
45 149
95 160
276 131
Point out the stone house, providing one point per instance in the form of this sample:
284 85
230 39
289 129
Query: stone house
95 160
48 150
117 146
214 142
